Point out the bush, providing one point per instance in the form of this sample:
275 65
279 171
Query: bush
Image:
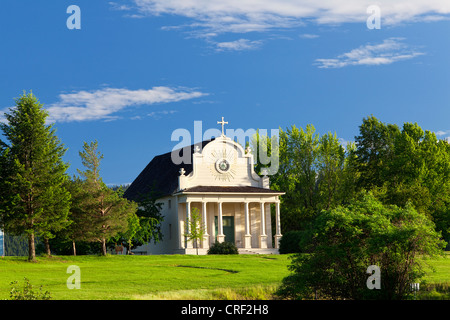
346 240
434 291
223 248
290 242
27 292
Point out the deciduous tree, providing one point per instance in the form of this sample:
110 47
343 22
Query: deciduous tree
316 172
196 228
407 165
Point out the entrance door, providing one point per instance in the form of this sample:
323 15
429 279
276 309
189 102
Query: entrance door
227 226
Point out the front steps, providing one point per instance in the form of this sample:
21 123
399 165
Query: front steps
201 251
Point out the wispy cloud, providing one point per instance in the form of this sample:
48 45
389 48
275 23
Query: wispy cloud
309 36
2 115
159 114
238 45
345 142
241 16
442 134
119 7
389 51
105 104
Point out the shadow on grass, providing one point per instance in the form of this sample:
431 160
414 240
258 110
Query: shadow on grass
196 267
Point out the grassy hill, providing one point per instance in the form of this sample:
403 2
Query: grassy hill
162 277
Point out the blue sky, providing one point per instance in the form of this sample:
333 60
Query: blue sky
139 69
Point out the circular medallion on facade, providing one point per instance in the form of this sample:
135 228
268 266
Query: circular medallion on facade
222 165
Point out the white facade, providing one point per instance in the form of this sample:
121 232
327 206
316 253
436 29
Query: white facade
234 202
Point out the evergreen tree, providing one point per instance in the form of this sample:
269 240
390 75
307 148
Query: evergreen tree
33 198
78 230
105 211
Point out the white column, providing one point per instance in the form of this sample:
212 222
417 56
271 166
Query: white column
278 226
247 236
180 226
263 219
220 235
263 236
205 242
188 221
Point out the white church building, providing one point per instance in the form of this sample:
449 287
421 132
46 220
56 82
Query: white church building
220 181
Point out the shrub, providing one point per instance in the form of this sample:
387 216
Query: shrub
346 240
223 248
27 292
434 291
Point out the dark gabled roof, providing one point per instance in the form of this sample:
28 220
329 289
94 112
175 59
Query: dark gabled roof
231 189
161 174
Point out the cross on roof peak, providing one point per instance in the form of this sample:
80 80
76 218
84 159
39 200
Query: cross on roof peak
222 123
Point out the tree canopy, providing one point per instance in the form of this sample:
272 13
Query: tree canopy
313 170
398 165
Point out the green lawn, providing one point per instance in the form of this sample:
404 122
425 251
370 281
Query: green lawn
441 268
165 276
137 277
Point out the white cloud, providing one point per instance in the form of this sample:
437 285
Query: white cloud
238 45
389 51
118 6
3 112
441 133
2 116
345 142
309 36
159 114
104 104
240 16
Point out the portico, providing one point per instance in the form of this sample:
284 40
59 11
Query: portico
244 213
